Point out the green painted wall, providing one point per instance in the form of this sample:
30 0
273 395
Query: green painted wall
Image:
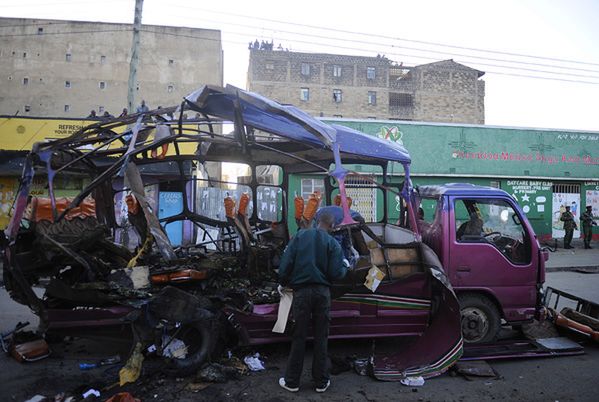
480 150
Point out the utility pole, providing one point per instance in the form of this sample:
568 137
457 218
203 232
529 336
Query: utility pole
132 88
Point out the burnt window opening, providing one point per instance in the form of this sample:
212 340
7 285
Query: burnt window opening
170 89
25 81
67 84
67 108
337 96
28 108
40 31
24 55
68 57
102 59
338 115
171 62
102 84
401 100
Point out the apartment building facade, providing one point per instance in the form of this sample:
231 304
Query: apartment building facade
68 68
329 85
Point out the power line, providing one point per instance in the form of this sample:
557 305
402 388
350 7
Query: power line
431 51
384 36
416 56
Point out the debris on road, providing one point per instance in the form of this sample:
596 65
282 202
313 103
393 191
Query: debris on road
470 369
412 381
254 363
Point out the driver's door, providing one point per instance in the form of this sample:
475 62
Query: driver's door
497 258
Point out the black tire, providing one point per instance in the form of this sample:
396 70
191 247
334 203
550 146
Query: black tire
480 320
199 338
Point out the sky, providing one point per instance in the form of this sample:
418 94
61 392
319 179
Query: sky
518 43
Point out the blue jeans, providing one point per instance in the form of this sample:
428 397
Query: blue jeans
311 304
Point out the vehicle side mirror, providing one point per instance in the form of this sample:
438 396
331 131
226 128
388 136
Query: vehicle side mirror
516 219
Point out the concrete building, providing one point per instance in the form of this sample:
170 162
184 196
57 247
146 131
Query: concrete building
329 85
67 68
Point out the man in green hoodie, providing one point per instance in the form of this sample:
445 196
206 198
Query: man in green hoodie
312 261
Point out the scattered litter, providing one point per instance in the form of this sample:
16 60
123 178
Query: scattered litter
90 392
197 386
413 381
374 278
218 373
361 366
254 363
131 371
478 368
104 362
122 397
37 398
174 348
30 350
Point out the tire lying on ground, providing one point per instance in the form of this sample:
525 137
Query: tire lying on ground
481 320
199 340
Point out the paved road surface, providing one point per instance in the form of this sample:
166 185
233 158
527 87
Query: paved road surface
550 379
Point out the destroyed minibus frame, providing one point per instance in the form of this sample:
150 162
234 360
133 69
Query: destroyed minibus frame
90 285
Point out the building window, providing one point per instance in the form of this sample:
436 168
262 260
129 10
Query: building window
305 69
336 71
100 109
371 117
102 85
27 108
338 115
102 59
269 65
171 62
337 95
67 108
372 98
67 57
24 55
400 100
371 73
67 84
40 31
305 94
25 81
170 89
311 185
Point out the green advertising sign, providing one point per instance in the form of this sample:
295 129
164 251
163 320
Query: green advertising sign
500 152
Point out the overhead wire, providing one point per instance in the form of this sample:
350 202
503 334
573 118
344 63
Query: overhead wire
287 23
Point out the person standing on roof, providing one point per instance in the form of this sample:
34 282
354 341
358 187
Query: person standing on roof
311 262
143 108
569 226
587 226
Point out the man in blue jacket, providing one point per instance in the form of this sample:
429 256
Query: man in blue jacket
312 261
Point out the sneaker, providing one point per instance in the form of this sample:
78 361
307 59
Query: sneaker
284 385
324 387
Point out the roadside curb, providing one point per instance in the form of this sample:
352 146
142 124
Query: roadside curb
591 269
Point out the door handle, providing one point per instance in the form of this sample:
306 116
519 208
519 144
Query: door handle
464 269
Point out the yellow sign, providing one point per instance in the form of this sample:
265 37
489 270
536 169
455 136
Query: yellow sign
20 133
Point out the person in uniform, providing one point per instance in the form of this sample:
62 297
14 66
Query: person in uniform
569 226
587 226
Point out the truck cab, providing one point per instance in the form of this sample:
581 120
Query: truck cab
490 253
